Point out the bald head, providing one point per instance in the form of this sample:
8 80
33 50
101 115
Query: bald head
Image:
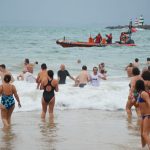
62 67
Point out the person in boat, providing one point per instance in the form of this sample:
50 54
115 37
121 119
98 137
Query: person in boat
96 77
91 40
123 38
98 39
109 38
62 74
143 102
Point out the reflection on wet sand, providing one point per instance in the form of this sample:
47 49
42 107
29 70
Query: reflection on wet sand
7 138
72 130
48 132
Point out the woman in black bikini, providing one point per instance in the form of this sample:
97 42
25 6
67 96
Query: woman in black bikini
49 85
143 101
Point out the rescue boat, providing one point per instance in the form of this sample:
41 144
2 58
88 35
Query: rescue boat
67 44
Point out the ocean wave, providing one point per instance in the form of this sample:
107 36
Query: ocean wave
110 95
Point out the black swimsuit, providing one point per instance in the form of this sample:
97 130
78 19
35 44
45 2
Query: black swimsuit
48 93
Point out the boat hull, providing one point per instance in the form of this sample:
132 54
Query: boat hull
67 44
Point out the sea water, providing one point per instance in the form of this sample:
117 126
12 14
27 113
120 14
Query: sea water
39 44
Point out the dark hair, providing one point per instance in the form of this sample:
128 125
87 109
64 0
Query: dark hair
136 59
7 78
146 75
26 61
139 86
84 67
102 64
130 65
135 71
95 68
3 66
148 59
43 66
50 73
36 62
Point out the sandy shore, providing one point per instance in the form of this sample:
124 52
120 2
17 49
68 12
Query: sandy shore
71 130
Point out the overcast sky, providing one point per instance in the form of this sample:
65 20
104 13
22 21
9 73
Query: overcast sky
72 12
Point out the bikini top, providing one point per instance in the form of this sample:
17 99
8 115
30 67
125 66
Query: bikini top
140 99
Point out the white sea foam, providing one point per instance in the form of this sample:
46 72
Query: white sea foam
39 44
110 95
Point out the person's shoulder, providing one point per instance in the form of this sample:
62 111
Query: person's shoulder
13 87
101 75
55 82
144 94
67 72
59 71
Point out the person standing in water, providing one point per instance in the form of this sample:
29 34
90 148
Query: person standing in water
4 71
136 63
62 74
129 70
143 102
7 91
133 93
95 77
41 75
101 67
83 78
49 85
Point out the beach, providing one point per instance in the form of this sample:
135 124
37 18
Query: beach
81 129
88 118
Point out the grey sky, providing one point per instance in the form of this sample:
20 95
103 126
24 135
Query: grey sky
72 12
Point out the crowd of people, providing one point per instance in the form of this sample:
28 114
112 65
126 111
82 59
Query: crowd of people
46 82
139 93
139 97
100 40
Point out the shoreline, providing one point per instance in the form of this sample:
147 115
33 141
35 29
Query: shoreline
72 129
146 27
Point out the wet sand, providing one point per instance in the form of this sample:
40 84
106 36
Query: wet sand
71 130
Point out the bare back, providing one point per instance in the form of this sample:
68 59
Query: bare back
83 77
42 75
7 89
